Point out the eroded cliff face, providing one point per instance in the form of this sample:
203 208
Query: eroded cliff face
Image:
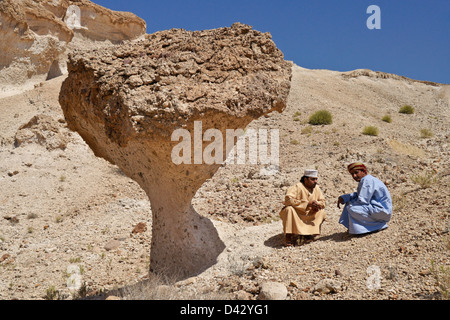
36 36
96 23
127 101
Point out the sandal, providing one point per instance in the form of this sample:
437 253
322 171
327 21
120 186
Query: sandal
288 240
304 239
300 240
310 238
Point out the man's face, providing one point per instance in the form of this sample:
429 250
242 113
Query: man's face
357 174
310 182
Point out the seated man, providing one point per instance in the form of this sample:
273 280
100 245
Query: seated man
368 209
303 213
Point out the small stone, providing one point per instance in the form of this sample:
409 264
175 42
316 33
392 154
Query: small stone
4 257
326 286
425 273
13 173
243 295
14 220
141 227
272 291
111 245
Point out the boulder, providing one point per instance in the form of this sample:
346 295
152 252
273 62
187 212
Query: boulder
134 103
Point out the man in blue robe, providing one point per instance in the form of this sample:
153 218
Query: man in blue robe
368 209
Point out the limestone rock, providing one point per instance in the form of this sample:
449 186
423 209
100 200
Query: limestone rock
36 36
272 291
127 102
42 130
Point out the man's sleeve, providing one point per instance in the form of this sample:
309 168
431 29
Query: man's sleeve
349 197
321 199
291 199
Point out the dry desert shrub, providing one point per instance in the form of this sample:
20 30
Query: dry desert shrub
406 149
425 133
399 201
321 117
425 180
442 275
406 109
387 118
296 116
307 130
370 131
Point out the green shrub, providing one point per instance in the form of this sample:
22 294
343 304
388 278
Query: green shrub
406 109
370 131
387 118
321 117
425 133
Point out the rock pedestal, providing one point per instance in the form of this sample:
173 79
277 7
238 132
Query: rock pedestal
129 103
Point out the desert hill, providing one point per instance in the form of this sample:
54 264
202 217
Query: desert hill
62 206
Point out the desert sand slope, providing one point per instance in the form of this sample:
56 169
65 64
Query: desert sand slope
66 215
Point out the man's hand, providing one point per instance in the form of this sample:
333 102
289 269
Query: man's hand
315 206
339 202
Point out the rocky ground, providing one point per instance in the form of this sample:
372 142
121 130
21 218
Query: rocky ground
72 225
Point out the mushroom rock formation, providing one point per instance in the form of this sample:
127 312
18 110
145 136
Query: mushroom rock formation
128 101
35 36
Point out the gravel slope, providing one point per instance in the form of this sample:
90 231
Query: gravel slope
63 209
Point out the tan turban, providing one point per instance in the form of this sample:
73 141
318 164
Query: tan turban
357 166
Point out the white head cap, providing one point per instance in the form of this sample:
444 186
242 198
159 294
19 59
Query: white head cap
311 173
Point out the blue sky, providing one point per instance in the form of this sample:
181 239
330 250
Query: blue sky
414 39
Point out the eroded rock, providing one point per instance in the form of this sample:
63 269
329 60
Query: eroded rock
127 101
43 130
35 36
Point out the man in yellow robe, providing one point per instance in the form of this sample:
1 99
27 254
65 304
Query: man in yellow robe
304 212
